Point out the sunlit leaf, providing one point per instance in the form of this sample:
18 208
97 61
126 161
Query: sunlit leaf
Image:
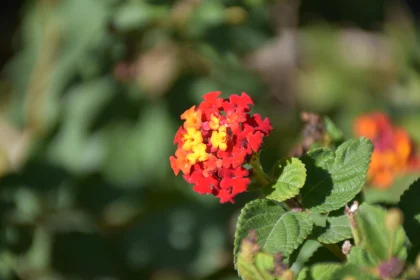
381 242
336 230
334 178
291 175
278 231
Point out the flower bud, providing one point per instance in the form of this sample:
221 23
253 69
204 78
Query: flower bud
287 275
391 268
393 219
346 247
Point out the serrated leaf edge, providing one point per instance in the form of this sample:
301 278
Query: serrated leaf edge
236 248
302 165
319 208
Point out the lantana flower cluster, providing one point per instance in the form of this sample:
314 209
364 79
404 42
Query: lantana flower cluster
393 149
217 138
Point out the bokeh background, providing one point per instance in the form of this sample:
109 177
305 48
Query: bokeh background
90 97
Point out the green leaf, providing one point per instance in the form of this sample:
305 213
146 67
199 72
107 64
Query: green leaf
137 164
264 263
338 229
304 274
136 15
376 238
257 270
319 272
319 220
333 179
351 271
278 231
206 15
361 257
247 270
73 147
301 256
291 173
409 204
324 271
333 271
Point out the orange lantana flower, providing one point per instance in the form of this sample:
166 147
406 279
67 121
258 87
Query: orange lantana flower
393 149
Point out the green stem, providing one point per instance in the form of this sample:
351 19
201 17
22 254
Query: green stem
353 226
356 235
258 171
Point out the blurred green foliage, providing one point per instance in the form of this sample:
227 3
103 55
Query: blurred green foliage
91 96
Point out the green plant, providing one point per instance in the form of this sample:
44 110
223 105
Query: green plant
305 199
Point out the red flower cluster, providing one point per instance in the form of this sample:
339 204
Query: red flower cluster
393 153
214 143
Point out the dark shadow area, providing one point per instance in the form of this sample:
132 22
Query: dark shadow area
319 184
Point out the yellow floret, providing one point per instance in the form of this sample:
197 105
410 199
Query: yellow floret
198 154
214 122
192 118
192 138
219 138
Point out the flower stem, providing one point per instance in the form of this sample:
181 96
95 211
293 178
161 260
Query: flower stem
350 213
258 171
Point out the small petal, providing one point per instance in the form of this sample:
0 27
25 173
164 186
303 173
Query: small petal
255 140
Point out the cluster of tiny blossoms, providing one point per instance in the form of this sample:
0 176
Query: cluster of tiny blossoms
215 141
393 152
